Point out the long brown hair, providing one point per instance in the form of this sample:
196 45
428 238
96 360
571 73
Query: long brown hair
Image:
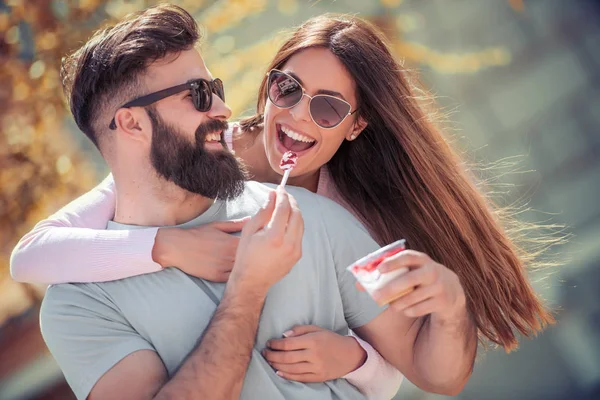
419 188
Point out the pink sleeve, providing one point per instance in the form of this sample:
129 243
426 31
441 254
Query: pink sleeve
376 378
228 135
73 244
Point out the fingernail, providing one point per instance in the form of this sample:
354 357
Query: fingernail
279 373
288 333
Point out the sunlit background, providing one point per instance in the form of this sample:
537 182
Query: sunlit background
518 80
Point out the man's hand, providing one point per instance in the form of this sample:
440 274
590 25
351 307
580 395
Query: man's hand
271 243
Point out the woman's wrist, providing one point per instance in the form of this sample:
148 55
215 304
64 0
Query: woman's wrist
162 246
359 354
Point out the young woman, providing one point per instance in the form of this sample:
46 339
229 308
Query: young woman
334 95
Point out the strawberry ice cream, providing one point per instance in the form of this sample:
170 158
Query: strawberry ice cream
366 272
288 161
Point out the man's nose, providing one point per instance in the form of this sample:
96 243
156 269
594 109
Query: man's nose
219 110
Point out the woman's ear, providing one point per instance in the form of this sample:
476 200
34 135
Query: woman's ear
359 125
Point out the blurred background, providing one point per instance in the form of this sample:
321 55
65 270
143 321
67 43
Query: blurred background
518 80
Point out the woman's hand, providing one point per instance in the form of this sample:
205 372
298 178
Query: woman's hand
312 354
207 251
432 288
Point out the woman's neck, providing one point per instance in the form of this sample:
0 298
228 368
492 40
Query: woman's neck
308 181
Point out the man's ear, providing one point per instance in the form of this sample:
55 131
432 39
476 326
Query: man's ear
359 125
134 123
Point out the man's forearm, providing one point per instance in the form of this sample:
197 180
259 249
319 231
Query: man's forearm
216 368
445 352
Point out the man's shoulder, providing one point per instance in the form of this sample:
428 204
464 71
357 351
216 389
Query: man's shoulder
259 192
316 209
61 291
327 211
66 305
253 197
70 295
80 300
257 189
86 332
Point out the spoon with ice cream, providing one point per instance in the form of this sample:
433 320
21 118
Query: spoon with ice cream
287 163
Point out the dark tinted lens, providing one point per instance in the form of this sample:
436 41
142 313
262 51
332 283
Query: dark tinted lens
284 91
202 96
218 88
328 111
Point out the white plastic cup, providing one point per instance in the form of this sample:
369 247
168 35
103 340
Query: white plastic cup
371 279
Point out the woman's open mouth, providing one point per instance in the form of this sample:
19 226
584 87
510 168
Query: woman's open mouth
293 140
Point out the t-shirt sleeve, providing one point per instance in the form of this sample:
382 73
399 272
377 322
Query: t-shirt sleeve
349 241
86 334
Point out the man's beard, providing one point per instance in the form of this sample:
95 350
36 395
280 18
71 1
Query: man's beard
212 174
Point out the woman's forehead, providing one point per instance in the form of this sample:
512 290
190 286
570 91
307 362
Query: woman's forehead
319 69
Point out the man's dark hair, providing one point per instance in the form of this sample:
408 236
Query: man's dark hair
106 72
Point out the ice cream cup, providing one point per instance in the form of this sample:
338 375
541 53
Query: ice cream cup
366 273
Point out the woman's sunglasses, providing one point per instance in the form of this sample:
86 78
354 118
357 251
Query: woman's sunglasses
326 111
200 89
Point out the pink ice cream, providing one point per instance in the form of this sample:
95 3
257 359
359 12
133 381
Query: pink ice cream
288 161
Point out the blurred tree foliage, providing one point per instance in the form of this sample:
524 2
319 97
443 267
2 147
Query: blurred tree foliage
41 163
37 158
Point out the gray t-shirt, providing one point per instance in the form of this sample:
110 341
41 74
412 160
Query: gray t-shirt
89 327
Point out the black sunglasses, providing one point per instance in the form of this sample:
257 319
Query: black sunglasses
201 90
326 111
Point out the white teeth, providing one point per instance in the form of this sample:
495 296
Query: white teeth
296 136
213 137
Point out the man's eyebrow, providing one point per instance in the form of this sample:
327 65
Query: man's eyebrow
210 78
320 91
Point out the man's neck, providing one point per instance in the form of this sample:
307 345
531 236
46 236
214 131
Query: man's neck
156 202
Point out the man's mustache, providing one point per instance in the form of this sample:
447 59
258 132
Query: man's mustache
212 126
